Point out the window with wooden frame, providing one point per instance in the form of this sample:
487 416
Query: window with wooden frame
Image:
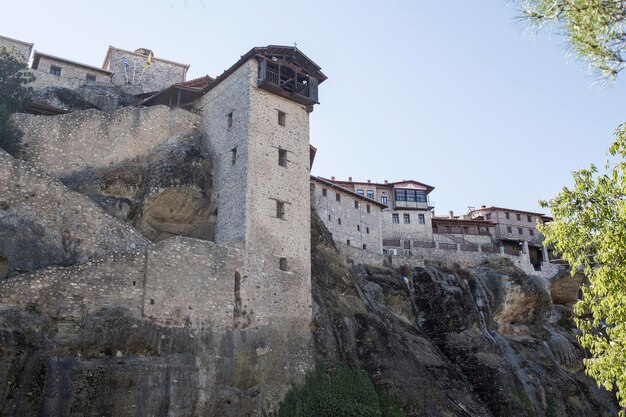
282 118
280 210
282 157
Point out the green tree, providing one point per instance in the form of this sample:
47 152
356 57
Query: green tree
595 29
589 232
15 95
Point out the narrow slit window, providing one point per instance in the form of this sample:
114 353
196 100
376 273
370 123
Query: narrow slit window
229 119
280 210
368 208
233 156
358 228
282 118
282 157
356 204
282 264
337 197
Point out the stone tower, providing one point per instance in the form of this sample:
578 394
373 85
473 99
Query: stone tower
256 120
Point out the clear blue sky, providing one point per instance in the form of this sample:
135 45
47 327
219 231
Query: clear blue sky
455 94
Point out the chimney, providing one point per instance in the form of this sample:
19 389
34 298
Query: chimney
368 181
483 206
451 214
332 178
386 182
349 179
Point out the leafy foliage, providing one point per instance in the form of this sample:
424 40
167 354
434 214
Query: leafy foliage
595 29
346 392
14 96
589 232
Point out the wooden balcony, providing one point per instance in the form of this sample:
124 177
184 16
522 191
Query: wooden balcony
288 80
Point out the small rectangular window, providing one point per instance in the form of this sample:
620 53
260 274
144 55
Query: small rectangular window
282 157
520 231
282 264
280 210
356 204
368 208
407 244
529 219
338 221
337 197
383 200
370 194
282 118
364 246
407 218
233 156
488 216
348 242
395 218
518 217
55 70
507 215
466 230
229 119
358 227
360 192
324 192
421 219
91 78
367 230
532 232
329 217
509 229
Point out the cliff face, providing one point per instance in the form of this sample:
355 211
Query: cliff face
483 342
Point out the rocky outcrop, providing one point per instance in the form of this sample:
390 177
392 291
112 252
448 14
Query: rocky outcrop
99 97
166 193
44 223
482 342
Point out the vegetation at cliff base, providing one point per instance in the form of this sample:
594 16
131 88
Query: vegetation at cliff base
344 392
14 96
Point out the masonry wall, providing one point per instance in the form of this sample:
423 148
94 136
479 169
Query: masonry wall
330 211
70 70
159 75
22 49
231 96
411 231
113 280
501 231
84 139
278 295
178 282
191 283
61 220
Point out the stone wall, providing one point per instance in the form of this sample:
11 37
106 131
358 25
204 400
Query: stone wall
435 256
348 219
191 282
42 222
72 142
178 282
159 75
22 48
230 97
401 230
70 69
45 79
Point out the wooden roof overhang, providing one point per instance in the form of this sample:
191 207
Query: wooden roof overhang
288 56
42 109
173 96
